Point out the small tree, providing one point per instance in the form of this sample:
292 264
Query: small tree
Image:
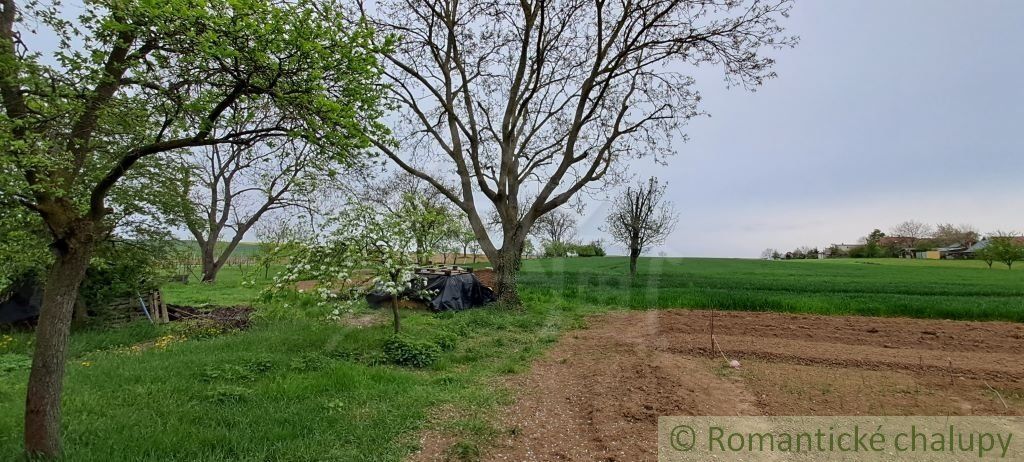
433 220
986 255
385 244
279 237
871 247
1005 248
466 238
430 221
640 218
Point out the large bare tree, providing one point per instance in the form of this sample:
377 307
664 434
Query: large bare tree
527 104
641 218
231 187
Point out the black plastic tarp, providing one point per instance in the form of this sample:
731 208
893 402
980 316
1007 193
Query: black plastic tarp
457 292
453 292
22 304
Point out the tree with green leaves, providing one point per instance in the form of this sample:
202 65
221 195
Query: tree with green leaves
370 248
431 218
1005 248
985 254
130 82
431 222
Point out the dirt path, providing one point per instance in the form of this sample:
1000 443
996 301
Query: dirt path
596 396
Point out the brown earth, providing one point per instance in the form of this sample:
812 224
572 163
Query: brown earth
598 393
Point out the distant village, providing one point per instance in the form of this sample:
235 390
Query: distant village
912 239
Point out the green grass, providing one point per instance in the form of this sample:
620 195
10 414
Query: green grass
295 387
201 400
965 290
228 290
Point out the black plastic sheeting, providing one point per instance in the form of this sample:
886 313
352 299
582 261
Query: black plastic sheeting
454 292
22 305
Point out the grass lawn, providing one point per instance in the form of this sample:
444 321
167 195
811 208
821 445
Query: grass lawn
296 387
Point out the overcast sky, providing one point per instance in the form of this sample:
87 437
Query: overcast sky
886 111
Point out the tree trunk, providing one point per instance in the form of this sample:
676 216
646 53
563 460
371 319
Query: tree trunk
46 379
394 311
506 268
634 254
210 266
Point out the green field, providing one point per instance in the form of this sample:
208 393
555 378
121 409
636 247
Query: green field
948 289
297 387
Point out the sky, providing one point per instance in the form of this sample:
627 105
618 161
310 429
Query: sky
886 111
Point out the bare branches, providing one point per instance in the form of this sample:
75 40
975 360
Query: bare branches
532 102
641 218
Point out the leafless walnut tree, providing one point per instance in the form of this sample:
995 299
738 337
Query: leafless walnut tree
555 226
527 104
911 231
641 218
231 187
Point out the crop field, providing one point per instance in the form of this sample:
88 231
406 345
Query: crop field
297 385
945 289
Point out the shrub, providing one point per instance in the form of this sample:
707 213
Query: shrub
557 249
562 249
404 351
446 341
123 270
593 249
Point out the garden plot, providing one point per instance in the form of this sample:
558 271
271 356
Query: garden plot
597 395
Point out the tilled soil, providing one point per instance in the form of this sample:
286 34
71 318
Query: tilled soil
597 395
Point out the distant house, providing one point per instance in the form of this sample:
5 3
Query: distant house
970 252
951 252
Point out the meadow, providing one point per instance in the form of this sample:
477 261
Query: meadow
296 386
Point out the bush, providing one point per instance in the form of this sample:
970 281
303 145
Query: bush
404 351
562 249
557 249
446 341
593 249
